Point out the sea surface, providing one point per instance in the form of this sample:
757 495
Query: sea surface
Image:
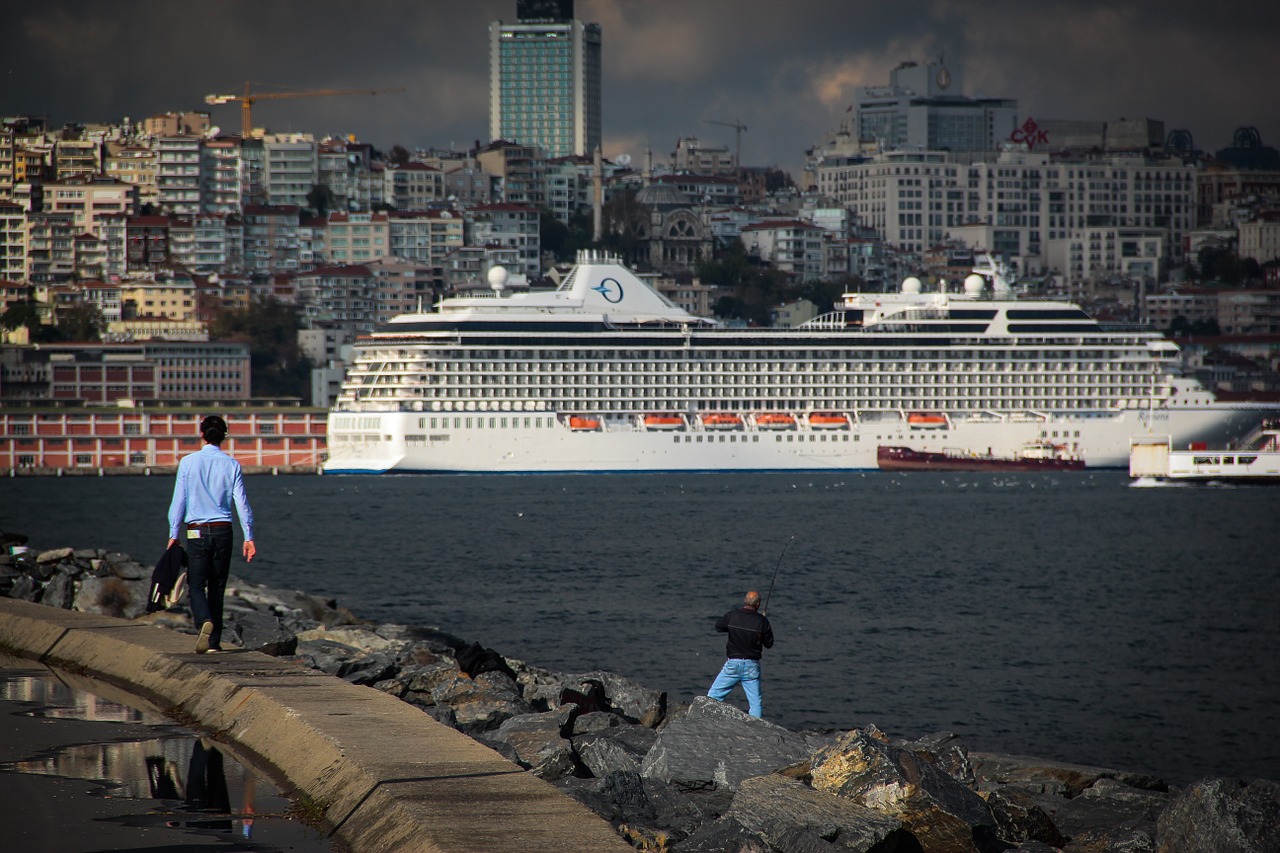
1069 616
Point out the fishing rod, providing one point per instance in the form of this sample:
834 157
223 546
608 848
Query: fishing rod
765 609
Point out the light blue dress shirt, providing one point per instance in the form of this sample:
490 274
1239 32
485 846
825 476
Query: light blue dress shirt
208 483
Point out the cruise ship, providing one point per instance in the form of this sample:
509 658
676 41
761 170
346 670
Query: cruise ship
604 374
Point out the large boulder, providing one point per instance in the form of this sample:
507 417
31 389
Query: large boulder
597 690
729 836
782 810
1019 818
604 751
1040 775
647 807
482 703
1222 816
1107 804
539 742
112 596
263 632
715 745
943 815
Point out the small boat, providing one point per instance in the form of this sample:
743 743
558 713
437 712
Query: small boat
1032 456
658 421
926 420
828 420
1255 460
721 421
775 420
578 423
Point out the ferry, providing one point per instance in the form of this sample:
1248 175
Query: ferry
1031 457
604 374
1255 459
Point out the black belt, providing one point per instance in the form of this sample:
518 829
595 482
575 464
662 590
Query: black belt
208 524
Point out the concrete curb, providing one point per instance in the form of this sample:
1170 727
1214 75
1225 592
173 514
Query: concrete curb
387 776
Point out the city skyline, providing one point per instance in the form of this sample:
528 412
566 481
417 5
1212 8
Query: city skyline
787 71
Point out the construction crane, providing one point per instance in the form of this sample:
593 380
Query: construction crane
249 97
738 127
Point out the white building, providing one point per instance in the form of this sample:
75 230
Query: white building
512 227
178 173
1014 202
1260 239
789 245
412 186
290 168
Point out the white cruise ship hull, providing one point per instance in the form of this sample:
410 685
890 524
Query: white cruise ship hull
406 443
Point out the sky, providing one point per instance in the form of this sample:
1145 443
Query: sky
787 69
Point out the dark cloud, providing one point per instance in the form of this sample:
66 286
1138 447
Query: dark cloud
786 70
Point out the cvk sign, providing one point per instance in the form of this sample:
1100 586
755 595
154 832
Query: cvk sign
1031 134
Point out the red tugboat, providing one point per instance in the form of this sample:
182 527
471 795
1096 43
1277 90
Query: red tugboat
1033 456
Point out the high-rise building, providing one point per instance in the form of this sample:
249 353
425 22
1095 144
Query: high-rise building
922 108
544 79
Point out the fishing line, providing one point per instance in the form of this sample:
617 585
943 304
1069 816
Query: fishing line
765 609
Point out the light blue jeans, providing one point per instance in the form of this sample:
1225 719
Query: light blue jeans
744 672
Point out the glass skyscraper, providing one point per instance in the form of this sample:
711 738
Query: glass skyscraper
544 80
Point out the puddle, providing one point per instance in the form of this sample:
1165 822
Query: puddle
146 773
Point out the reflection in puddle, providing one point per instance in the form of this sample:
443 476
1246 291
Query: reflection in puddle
181 781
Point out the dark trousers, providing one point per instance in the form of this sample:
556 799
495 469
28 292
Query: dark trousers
208 564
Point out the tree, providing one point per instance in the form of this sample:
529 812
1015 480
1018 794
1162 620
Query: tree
321 200
400 155
83 322
270 327
21 314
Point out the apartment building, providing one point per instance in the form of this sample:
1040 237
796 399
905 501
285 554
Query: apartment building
342 297
792 246
919 199
923 108
199 243
357 238
50 247
522 170
412 186
221 176
146 242
76 156
136 165
271 237
89 198
178 173
346 169
13 242
513 227
692 155
425 237
291 168
1260 239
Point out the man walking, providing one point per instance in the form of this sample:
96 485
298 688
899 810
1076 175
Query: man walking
749 634
208 483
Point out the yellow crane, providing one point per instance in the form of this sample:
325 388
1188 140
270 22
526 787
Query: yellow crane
249 97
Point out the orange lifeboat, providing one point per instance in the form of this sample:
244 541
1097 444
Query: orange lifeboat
578 423
663 422
829 420
775 420
926 420
721 420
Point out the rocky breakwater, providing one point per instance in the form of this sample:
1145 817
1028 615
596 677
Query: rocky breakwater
702 777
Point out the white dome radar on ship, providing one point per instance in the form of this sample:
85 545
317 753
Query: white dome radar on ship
974 284
911 284
498 276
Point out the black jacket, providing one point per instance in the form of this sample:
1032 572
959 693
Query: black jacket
749 633
165 590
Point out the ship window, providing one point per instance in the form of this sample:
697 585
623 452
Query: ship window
468 424
1228 460
1248 460
1205 460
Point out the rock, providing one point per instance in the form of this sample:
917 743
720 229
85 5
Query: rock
948 751
773 806
543 688
944 816
54 555
482 703
1219 815
540 743
438 641
1018 817
715 745
597 721
85 553
610 750
25 589
130 570
112 596
1051 777
417 653
1033 847
641 809
59 591
324 655
723 836
1107 804
263 632
368 669
359 638
1116 839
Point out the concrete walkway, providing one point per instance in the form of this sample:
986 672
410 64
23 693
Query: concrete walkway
385 776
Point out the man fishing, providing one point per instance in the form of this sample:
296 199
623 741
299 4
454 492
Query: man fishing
749 634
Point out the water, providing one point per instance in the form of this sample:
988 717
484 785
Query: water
1067 616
